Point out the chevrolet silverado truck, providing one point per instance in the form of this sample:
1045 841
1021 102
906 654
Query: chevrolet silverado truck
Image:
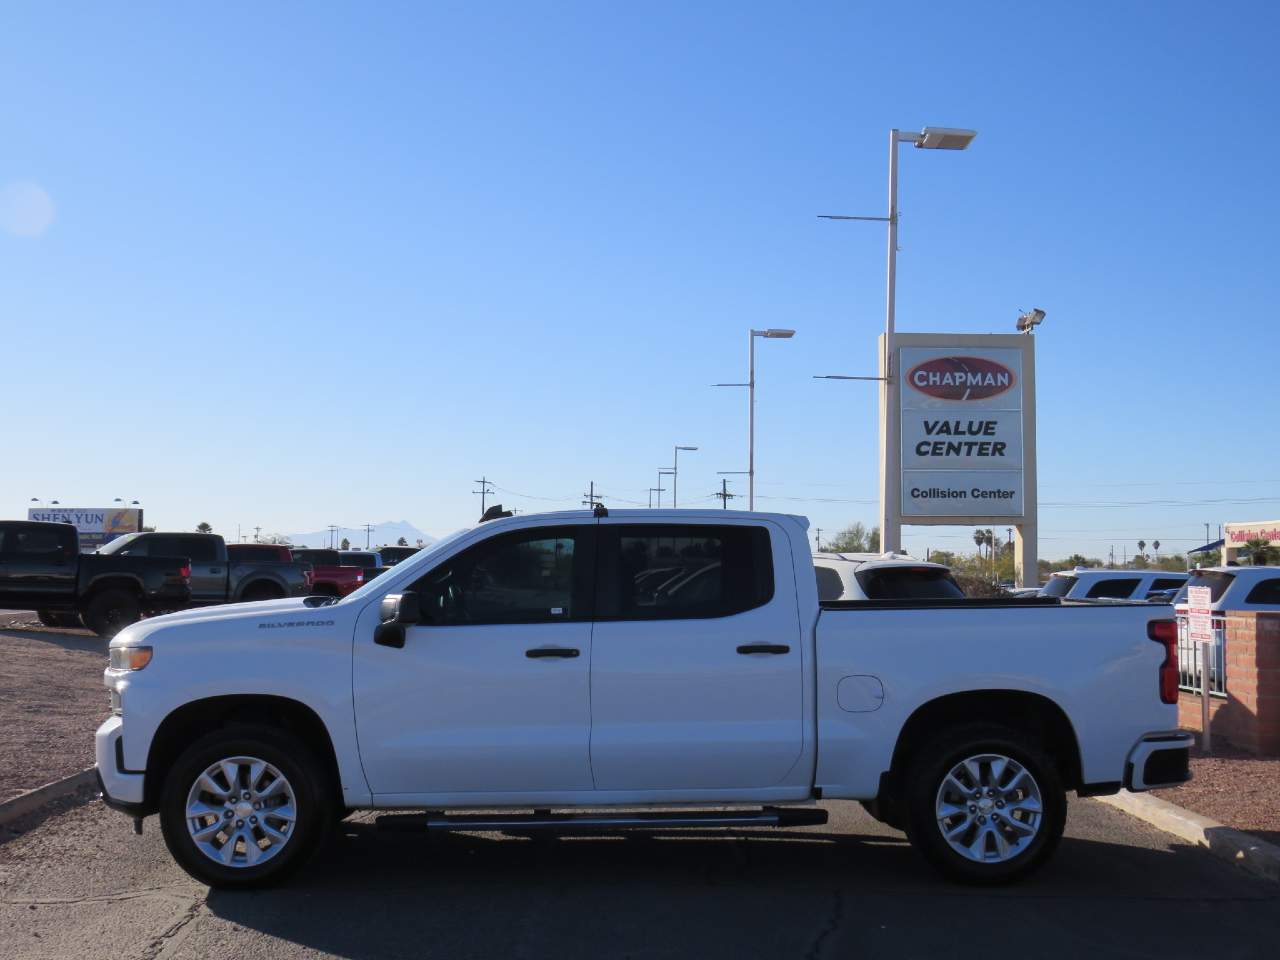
42 568
215 576
521 675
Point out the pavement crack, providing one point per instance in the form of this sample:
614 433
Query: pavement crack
834 920
168 940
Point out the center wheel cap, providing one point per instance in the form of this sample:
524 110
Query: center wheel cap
244 808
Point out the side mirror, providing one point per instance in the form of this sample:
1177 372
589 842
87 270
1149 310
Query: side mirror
397 612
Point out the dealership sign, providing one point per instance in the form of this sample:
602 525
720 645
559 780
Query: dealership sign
96 525
962 432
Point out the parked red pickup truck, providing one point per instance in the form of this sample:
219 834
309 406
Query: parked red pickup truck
330 576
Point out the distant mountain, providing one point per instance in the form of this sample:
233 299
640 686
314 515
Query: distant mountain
382 534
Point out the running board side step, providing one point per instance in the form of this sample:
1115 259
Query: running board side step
545 820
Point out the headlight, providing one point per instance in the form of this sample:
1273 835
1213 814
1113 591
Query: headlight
129 658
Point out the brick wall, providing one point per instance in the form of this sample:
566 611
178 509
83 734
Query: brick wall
1250 715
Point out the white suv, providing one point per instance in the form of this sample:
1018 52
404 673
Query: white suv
882 576
1235 588
1084 583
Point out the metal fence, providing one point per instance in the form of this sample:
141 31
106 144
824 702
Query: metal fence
1190 667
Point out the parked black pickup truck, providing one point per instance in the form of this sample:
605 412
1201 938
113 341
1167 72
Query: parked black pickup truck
42 569
214 578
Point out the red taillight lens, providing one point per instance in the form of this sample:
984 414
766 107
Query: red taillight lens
1165 632
184 571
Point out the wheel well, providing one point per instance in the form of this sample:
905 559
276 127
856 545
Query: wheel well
1029 713
110 583
193 720
262 585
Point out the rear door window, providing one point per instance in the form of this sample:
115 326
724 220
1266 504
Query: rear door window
1166 583
251 553
909 583
199 549
682 571
1113 588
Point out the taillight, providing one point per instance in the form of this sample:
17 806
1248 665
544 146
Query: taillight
1166 632
184 571
359 578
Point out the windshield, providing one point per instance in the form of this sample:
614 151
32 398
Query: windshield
119 543
1216 580
1058 586
418 562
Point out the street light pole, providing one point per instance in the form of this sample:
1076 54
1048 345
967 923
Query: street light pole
675 468
773 333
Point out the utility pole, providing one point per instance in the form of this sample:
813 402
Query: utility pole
724 494
368 532
817 539
592 499
1111 557
333 536
484 492
256 531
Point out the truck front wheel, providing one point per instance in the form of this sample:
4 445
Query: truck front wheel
985 804
244 807
110 611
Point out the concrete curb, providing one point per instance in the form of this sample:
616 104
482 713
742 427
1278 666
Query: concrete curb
25 803
1260 858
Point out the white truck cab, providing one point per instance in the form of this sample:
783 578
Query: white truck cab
559 671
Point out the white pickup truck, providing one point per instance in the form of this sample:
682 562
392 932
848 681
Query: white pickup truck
659 668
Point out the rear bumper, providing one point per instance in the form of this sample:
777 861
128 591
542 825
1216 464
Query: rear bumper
1159 760
121 789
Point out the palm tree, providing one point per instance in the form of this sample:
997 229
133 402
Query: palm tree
979 537
1259 551
1142 545
1155 545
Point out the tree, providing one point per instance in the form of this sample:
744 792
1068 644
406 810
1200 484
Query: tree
1155 546
1259 551
203 527
346 544
856 538
402 542
1142 545
980 538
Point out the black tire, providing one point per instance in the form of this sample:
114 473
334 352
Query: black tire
312 793
110 611
261 591
68 620
48 618
930 767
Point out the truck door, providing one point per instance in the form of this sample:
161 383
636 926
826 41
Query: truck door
36 562
491 691
696 659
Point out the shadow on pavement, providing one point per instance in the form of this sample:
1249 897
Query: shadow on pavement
738 894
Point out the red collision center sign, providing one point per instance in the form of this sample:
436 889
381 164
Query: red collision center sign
961 432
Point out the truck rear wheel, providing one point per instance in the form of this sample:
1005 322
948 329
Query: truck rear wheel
244 807
984 804
110 611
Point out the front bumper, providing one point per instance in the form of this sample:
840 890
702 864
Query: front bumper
1159 760
121 789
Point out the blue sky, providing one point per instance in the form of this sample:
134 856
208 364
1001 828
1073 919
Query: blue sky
329 263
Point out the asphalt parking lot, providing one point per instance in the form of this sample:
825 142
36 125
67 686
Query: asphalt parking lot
79 884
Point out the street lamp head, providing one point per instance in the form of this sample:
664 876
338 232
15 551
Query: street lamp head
1029 320
774 333
945 138
686 448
